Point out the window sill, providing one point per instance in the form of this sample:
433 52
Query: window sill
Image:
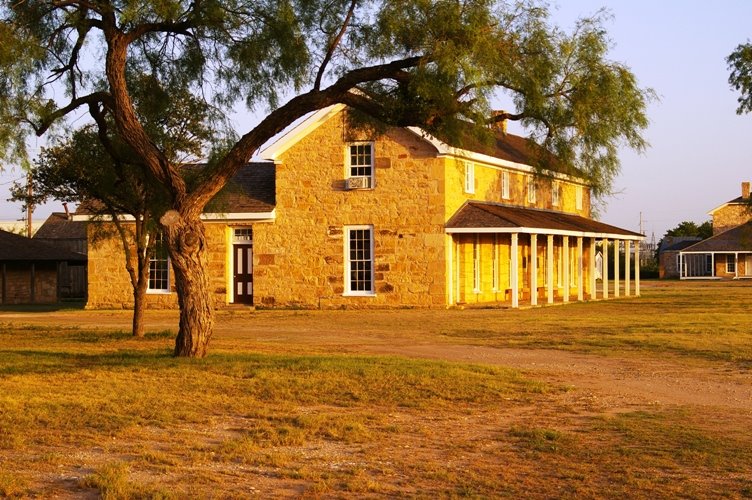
359 294
158 292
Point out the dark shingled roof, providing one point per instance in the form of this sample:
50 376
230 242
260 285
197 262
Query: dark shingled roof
509 147
21 249
675 243
251 189
485 215
59 227
733 240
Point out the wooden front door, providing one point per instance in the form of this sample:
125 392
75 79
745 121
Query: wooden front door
243 280
242 262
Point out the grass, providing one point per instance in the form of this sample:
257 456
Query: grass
285 406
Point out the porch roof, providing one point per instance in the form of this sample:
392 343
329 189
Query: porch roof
737 239
487 217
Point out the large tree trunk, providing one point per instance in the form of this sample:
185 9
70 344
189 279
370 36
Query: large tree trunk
186 242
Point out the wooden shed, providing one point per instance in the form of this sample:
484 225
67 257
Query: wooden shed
30 270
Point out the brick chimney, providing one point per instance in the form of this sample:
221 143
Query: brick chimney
745 190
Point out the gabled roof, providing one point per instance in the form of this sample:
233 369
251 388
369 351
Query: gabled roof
737 239
487 217
506 150
59 227
251 189
15 248
249 194
678 243
736 201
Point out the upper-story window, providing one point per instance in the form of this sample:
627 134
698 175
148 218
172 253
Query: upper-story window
469 178
505 185
531 196
555 193
360 165
578 198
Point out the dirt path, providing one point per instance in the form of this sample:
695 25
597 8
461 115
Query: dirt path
610 383
603 383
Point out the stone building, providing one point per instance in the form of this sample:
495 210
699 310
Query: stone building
346 218
728 253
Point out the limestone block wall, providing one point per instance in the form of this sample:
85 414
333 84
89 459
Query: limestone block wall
488 187
109 283
300 257
730 216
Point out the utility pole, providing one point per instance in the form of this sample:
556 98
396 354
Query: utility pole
29 203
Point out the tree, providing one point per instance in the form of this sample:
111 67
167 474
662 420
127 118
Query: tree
78 169
689 228
740 79
433 64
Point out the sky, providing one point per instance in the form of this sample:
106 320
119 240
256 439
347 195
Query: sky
700 149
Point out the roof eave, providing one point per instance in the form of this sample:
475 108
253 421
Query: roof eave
543 231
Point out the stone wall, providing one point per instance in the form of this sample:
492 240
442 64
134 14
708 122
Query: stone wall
488 187
109 282
730 216
299 258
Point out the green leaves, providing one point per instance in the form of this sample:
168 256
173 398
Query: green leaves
203 58
740 79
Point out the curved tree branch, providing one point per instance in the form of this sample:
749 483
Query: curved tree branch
333 45
93 98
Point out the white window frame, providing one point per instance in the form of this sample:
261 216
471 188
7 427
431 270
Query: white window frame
730 263
555 193
476 264
505 187
469 177
371 291
531 195
154 261
578 195
349 166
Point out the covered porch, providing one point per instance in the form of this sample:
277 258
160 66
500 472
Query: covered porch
727 255
516 256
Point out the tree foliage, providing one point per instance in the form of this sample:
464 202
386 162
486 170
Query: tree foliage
740 79
436 64
689 228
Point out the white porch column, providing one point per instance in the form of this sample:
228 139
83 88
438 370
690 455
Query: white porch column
604 278
736 265
712 264
565 266
627 266
591 268
513 272
450 274
637 270
550 268
617 247
533 269
580 268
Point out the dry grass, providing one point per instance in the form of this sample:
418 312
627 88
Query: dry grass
283 407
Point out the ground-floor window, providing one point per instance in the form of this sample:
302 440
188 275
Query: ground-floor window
730 264
159 267
359 260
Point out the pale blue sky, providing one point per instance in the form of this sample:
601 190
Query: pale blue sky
700 149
